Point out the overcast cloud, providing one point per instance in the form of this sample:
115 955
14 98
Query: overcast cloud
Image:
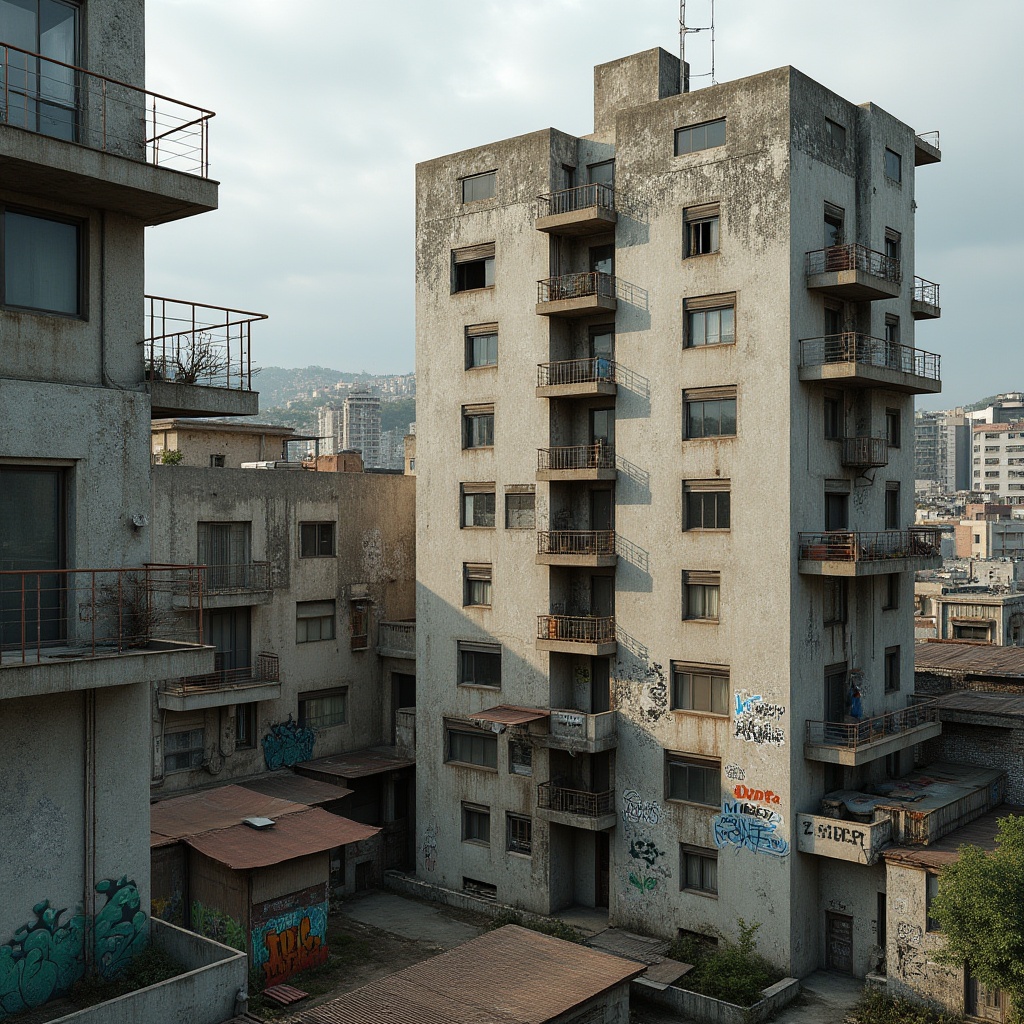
325 106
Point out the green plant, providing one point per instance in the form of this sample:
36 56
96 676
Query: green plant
877 1008
546 926
149 967
171 457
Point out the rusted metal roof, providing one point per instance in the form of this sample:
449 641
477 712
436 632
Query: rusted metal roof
195 813
972 659
354 765
508 976
509 714
980 832
980 702
156 840
299 788
311 830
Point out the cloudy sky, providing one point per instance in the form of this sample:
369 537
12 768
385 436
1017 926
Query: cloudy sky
325 106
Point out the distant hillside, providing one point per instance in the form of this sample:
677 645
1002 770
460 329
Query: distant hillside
278 386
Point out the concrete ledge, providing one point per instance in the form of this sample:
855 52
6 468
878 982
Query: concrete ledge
705 1010
410 886
171 398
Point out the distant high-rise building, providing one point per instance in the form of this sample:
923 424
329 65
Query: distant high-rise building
361 426
329 428
942 456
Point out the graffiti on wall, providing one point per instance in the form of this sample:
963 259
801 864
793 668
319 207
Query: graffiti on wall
641 690
47 956
288 743
290 934
220 927
755 831
759 721
735 773
636 810
645 869
430 847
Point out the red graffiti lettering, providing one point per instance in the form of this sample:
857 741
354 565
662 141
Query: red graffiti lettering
764 796
291 951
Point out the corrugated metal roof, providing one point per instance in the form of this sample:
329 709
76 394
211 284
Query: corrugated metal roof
311 830
195 813
355 765
981 702
300 788
508 976
980 832
156 840
969 659
509 714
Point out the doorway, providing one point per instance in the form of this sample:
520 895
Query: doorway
602 861
839 943
985 1003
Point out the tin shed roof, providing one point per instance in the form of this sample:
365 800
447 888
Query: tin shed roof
976 659
355 765
980 832
509 714
300 788
195 813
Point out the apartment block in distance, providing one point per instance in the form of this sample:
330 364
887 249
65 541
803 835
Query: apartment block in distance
88 160
664 567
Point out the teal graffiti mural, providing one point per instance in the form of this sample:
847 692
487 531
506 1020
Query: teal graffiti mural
288 743
47 956
220 927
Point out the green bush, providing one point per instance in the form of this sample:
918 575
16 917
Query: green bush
149 967
171 457
546 926
877 1008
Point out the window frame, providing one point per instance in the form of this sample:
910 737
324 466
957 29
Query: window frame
515 491
468 492
717 674
474 648
479 178
477 573
711 766
471 413
839 603
191 751
891 672
833 416
483 255
321 618
315 528
701 307
891 592
703 856
892 505
246 735
706 581
698 133
710 396
895 164
516 844
694 217
893 428
836 139
325 719
487 741
471 334
699 489
473 817
931 890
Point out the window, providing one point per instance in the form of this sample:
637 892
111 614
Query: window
833 320
478 426
478 506
42 263
833 415
834 604
478 748
700 230
892 505
892 335
245 726
700 595
892 669
359 624
476 824
476 584
700 136
216 462
835 217
473 267
892 427
931 890
602 173
479 186
520 513
837 509
709 412
695 780
184 750
316 540
324 708
481 346
602 259
835 134
710 321
893 244
962 631
314 620
698 869
706 505
225 549
700 688
519 834
893 165
520 757
479 664
891 593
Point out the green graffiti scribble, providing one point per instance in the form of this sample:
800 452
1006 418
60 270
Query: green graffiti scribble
214 924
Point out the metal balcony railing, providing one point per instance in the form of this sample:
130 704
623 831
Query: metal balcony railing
193 343
63 101
851 735
926 291
266 670
397 636
850 546
862 349
853 256
82 613
553 797
865 451
245 576
584 629
929 138
592 284
595 369
580 197
576 542
577 456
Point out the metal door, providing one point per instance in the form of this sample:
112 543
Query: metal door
839 943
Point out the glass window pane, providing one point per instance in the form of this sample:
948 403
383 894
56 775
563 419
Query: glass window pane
710 873
697 329
692 871
40 263
713 231
728 320
722 519
701 693
694 419
728 416
720 695
715 134
711 602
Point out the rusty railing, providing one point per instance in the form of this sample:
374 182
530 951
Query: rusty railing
854 256
852 735
63 101
246 576
592 284
266 670
584 629
850 546
592 370
865 451
850 347
580 197
577 456
193 343
553 797
575 542
83 613
926 291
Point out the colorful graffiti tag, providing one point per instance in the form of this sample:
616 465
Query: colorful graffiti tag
288 743
47 956
220 927
290 934
759 721
750 831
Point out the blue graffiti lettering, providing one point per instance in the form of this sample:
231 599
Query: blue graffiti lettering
748 832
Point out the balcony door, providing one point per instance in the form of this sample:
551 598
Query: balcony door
601 506
224 547
229 630
602 595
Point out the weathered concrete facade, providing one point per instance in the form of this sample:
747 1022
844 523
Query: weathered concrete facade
672 811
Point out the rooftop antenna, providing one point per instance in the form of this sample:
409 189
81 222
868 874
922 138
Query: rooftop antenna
684 31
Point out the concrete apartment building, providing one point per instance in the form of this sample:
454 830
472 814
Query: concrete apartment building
670 394
942 451
86 625
361 425
998 459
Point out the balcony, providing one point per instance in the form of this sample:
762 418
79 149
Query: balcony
865 452
854 841
579 732
583 210
849 553
925 303
84 138
853 743
577 808
224 686
862 361
199 359
577 634
576 378
577 462
227 586
397 639
576 547
80 629
576 295
853 272
926 149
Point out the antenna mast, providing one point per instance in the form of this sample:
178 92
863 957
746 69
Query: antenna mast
684 31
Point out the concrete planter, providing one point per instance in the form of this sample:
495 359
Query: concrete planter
705 1010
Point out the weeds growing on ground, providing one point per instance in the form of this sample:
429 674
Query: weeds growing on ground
877 1008
149 967
546 926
